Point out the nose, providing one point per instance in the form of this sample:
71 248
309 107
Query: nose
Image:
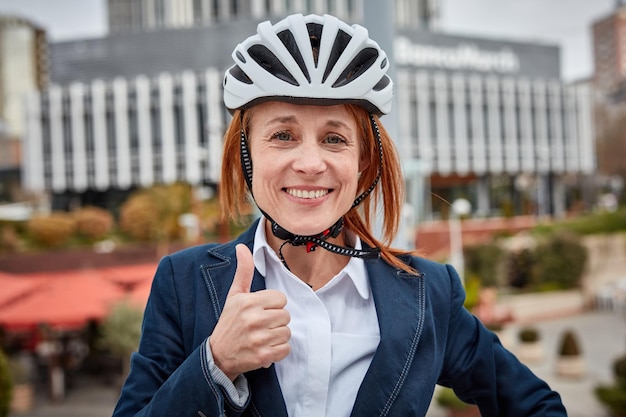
309 159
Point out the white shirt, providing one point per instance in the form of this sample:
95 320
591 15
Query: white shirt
334 334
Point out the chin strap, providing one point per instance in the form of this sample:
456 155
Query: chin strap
313 241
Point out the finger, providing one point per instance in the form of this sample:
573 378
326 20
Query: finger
244 273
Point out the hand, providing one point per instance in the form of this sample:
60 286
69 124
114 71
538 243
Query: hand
252 331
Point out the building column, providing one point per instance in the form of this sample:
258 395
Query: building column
558 197
483 205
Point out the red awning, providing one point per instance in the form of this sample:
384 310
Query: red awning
64 301
14 287
139 294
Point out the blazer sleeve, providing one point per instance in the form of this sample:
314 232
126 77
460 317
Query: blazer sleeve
483 372
165 379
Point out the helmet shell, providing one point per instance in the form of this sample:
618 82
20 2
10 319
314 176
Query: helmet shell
309 60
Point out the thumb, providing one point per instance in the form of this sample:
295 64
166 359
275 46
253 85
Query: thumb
245 271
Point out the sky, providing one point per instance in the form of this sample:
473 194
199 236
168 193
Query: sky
566 23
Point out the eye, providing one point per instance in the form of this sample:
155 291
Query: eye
282 136
335 139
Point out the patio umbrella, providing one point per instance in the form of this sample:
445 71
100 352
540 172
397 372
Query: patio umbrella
139 294
128 275
64 301
13 287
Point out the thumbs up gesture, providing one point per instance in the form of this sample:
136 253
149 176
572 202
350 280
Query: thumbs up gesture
252 331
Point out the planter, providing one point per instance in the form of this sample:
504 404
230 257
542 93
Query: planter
530 352
23 398
570 366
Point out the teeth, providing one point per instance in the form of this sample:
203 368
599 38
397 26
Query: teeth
307 194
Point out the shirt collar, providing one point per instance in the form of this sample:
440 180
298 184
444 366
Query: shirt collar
262 253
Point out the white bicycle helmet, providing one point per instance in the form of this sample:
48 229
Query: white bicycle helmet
309 59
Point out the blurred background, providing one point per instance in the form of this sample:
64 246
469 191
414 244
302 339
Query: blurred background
510 118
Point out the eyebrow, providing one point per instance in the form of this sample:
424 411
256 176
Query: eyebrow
292 119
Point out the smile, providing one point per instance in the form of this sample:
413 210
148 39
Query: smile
306 194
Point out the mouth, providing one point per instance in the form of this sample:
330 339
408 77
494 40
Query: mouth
307 194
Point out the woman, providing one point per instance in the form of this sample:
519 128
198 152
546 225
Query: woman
307 313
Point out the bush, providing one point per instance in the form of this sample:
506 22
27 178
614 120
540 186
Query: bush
559 262
139 219
447 398
53 230
519 268
153 214
528 335
93 223
614 396
6 385
483 261
569 344
619 369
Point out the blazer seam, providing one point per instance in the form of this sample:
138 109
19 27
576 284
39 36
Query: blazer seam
409 360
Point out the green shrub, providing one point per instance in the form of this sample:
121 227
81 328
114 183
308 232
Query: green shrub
614 396
569 345
447 398
6 385
528 335
519 268
619 369
559 262
53 230
483 261
597 223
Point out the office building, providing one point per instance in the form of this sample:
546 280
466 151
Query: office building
485 119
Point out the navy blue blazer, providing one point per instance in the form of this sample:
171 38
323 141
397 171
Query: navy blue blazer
426 338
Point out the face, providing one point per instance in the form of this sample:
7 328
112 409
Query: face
306 164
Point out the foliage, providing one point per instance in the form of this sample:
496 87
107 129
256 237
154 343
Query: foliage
569 345
619 369
447 398
519 268
121 330
595 223
6 385
529 335
152 214
560 261
9 238
93 223
614 396
53 230
472 292
483 261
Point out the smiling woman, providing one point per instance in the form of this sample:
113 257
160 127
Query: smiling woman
307 312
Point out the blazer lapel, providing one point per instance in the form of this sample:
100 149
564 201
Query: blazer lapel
400 305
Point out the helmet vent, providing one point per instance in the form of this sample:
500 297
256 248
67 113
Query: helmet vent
266 59
341 41
384 82
287 38
239 75
315 36
364 60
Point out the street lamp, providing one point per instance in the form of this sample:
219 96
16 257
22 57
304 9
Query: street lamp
460 207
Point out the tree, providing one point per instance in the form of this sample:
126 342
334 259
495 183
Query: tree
120 332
